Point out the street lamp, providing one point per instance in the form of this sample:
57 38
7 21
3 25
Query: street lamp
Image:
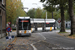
25 8
52 12
46 14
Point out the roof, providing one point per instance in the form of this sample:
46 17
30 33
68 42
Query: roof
24 17
42 20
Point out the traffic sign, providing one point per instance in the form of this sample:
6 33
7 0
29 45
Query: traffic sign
9 23
59 21
8 29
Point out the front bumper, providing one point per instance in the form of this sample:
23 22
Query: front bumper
22 34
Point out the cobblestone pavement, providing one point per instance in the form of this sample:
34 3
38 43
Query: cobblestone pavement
37 41
24 43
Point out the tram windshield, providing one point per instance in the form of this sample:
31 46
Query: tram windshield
24 24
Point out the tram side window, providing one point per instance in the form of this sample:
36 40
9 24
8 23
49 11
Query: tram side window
32 25
49 24
40 24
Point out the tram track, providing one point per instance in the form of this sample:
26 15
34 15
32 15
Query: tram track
10 45
28 43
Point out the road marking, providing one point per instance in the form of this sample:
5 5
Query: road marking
42 36
33 47
37 42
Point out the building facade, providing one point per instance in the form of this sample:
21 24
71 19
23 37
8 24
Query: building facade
2 18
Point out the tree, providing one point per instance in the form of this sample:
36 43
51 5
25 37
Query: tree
13 10
43 14
72 17
62 4
31 13
56 14
67 18
38 13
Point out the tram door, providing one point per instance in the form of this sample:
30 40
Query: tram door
43 26
35 24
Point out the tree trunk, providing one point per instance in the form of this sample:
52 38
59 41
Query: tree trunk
62 19
72 17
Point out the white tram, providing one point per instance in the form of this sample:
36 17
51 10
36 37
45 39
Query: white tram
23 25
27 25
42 24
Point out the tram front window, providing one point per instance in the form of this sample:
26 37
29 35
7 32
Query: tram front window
24 25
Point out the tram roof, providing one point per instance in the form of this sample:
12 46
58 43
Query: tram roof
24 17
43 20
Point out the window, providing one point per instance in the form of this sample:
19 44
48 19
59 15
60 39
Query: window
49 24
3 2
39 24
32 25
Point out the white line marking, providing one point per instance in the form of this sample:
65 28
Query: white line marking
33 47
37 42
42 36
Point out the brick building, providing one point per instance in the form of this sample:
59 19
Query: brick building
2 18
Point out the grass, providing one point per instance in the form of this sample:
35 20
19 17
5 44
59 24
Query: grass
67 35
63 32
72 36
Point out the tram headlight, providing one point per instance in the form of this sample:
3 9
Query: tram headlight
20 31
29 31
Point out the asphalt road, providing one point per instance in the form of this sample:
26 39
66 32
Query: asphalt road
54 38
44 41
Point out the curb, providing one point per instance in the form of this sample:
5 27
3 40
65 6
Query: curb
64 35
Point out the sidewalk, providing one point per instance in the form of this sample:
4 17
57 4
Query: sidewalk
67 35
64 34
4 43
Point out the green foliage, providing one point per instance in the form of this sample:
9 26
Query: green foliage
41 13
38 13
67 18
56 14
13 10
52 5
31 13
49 15
49 8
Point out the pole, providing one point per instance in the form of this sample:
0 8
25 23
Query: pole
5 18
1 29
1 25
52 15
46 15
52 11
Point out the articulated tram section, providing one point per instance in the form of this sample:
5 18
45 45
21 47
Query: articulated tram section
43 24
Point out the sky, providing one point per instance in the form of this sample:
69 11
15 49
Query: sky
32 4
